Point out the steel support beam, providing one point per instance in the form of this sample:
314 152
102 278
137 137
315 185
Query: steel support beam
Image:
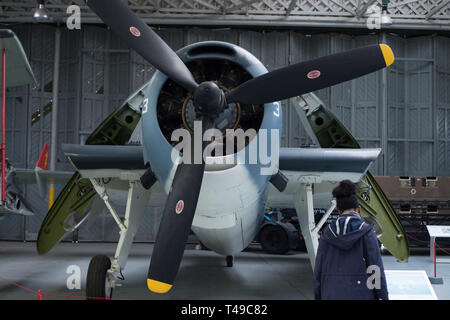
396 5
291 7
362 10
245 3
55 97
239 13
3 147
338 3
437 8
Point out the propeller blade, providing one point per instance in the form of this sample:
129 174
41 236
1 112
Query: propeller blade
143 39
176 221
174 227
312 75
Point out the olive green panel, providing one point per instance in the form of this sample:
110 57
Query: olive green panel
331 133
116 129
75 196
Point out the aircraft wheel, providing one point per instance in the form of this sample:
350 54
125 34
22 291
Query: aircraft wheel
97 284
274 239
230 260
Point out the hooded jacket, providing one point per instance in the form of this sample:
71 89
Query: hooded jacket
348 263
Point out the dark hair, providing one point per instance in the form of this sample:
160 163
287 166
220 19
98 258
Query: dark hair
345 194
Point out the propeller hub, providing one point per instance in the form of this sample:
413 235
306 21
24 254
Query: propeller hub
209 100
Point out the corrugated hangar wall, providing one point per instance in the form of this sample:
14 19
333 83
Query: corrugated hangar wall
404 110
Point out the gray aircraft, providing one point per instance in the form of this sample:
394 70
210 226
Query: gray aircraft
16 71
15 200
221 197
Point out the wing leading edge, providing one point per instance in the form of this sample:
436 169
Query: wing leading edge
85 157
327 160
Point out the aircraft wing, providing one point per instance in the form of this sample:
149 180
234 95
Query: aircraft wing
42 177
28 176
97 161
331 163
328 132
130 157
57 176
18 69
327 166
79 196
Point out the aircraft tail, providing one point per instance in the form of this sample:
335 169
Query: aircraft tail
43 158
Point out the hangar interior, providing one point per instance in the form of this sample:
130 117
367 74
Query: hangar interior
404 109
405 112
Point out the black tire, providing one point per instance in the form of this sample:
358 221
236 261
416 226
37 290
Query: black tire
96 277
230 260
274 239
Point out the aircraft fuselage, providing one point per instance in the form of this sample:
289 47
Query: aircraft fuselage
231 202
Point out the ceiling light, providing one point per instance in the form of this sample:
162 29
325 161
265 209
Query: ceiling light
385 19
41 13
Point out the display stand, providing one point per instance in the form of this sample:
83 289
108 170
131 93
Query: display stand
409 285
437 232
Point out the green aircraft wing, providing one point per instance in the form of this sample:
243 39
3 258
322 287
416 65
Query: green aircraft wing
376 209
71 207
18 70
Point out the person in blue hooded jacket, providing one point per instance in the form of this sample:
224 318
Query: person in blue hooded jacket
348 263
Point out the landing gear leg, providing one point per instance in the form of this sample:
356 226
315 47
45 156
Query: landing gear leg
230 261
101 281
303 201
304 205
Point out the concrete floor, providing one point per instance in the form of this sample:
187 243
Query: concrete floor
203 274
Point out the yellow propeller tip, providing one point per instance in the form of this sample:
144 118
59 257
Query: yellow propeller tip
387 54
158 286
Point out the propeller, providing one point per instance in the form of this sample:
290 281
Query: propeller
312 75
209 101
174 227
143 40
176 221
